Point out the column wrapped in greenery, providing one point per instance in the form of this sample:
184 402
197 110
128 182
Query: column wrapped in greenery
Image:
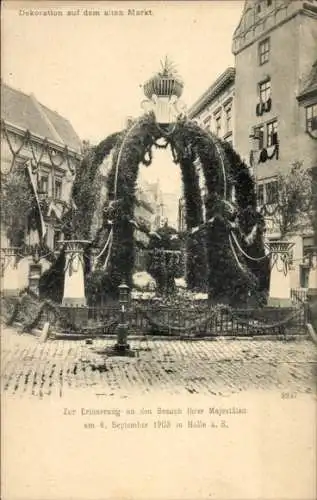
134 148
195 245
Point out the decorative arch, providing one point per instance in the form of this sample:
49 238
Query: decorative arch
225 254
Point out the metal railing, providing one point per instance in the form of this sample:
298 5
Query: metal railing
299 295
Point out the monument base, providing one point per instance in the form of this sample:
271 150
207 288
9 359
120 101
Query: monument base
74 302
120 350
10 292
75 315
279 302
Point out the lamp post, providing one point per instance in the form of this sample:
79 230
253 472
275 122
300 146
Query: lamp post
122 345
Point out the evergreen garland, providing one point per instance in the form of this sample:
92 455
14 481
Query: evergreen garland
229 279
139 139
84 188
195 246
243 182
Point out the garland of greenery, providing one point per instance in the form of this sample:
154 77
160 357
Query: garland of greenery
223 169
213 313
121 183
27 326
195 245
239 172
84 189
165 327
249 217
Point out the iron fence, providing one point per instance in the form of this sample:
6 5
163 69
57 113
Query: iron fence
299 295
186 320
198 321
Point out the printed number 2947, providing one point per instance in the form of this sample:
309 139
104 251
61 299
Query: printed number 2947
288 395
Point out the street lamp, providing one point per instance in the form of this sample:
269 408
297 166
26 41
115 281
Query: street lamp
122 345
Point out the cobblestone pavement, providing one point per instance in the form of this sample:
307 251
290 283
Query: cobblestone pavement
218 367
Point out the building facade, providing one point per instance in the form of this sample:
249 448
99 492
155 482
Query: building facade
271 95
213 111
44 145
275 47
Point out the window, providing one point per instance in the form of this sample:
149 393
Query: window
228 113
57 238
304 276
206 122
58 189
271 132
265 90
259 135
311 118
264 51
271 192
43 184
260 194
218 125
269 3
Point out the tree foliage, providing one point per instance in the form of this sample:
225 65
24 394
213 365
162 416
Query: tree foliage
294 205
17 204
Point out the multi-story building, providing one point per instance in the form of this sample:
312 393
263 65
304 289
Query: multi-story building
44 144
272 95
275 47
213 111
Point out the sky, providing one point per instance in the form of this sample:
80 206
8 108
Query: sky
91 68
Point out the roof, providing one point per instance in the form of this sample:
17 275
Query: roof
259 18
225 79
26 112
310 83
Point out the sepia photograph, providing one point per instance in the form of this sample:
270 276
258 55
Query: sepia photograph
159 250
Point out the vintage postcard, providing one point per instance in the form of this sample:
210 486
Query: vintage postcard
158 250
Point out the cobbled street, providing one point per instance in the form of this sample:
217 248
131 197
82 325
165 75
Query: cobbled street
218 367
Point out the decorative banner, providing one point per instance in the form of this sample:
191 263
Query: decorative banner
41 227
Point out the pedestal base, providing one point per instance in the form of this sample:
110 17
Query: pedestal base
118 350
75 316
122 348
279 302
74 302
10 292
